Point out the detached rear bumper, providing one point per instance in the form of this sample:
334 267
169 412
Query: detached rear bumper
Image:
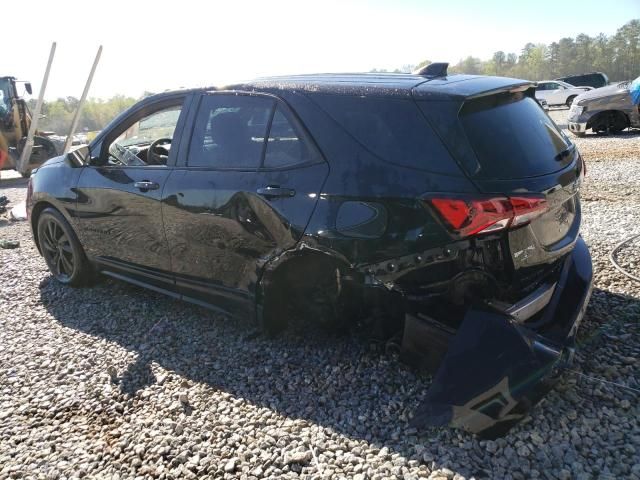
496 366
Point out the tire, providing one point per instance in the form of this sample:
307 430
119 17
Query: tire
609 122
570 100
62 250
618 122
26 174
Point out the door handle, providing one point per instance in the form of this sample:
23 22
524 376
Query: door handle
146 185
274 191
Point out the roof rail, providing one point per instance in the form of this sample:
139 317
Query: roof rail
438 69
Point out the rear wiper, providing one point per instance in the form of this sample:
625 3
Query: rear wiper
565 153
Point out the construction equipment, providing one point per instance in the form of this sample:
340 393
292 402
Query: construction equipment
15 122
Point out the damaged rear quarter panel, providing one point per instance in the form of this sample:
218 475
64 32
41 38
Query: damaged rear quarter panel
492 370
356 175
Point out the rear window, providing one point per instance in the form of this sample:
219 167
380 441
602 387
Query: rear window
392 129
513 137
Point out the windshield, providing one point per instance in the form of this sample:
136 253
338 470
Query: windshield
5 87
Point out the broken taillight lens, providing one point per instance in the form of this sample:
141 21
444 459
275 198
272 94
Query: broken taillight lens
468 217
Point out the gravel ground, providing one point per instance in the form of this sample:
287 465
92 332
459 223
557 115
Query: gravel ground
118 382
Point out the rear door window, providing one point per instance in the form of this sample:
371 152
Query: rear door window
230 131
513 137
286 145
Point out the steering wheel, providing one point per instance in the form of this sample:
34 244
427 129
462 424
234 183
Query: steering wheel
158 154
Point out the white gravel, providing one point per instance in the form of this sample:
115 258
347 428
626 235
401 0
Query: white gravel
118 382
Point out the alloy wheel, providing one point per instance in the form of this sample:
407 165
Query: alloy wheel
57 250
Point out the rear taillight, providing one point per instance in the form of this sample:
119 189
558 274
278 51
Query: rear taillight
467 217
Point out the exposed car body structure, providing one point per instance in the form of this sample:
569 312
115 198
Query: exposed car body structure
607 109
592 79
558 93
405 202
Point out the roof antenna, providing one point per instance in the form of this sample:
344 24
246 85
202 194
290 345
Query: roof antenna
438 69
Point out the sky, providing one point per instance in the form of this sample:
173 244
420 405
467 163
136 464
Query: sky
154 46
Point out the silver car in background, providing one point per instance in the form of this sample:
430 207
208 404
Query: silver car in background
558 92
606 109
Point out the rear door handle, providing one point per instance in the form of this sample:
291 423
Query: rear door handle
146 185
274 191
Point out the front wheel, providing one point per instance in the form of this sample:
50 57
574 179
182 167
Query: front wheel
61 249
610 122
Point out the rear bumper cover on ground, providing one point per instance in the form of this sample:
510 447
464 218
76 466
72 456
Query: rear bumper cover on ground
496 368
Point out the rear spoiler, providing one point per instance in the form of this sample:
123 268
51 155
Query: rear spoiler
522 87
466 87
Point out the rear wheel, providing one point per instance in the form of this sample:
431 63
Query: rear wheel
570 100
308 289
61 249
610 122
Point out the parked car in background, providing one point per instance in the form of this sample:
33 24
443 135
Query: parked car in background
607 109
440 211
558 93
593 79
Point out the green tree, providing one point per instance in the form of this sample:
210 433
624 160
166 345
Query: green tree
470 66
96 113
499 59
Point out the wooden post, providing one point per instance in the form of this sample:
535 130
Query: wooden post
76 116
28 146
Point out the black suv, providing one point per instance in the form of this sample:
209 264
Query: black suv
441 211
593 79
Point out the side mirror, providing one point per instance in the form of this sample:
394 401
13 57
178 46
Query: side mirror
80 156
27 87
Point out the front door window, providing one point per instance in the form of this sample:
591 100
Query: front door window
146 141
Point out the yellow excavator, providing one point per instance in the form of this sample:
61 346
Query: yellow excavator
15 121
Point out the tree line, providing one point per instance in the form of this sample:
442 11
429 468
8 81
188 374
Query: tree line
616 55
57 115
